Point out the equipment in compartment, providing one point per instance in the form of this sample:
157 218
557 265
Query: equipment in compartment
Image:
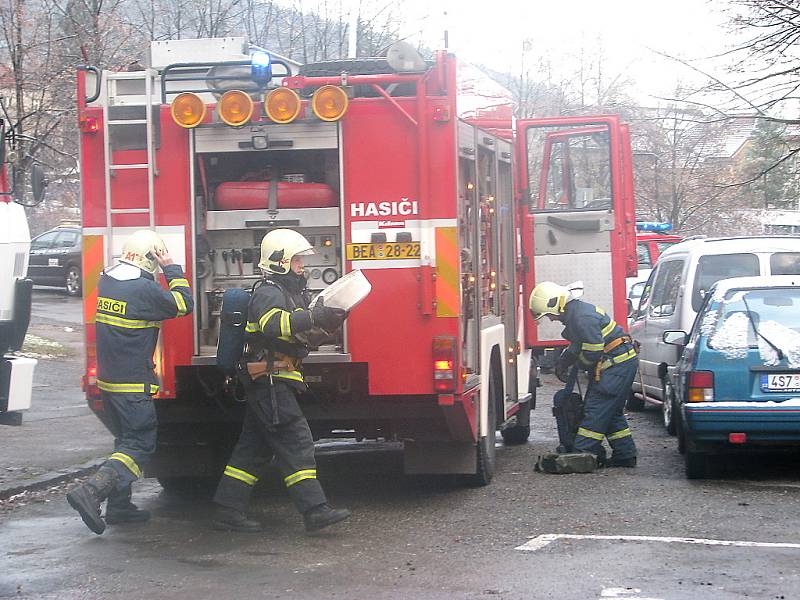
243 195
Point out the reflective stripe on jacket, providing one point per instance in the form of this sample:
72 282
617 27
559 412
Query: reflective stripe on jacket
274 317
589 330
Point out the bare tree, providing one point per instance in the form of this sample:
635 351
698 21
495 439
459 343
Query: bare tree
549 84
765 67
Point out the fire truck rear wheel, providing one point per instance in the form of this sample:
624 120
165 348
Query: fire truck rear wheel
519 432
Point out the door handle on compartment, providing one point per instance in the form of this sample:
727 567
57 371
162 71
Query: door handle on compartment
574 225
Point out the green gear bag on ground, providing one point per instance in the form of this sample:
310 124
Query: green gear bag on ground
562 464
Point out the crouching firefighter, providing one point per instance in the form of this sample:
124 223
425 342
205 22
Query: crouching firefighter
270 371
600 347
130 308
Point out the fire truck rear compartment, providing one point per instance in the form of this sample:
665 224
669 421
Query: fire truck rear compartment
248 181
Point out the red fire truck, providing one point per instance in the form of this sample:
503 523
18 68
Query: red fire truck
212 145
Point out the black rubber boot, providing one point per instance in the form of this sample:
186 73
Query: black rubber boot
230 519
602 458
120 509
324 515
86 498
629 462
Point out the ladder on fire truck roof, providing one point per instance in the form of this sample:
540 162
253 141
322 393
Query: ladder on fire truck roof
110 80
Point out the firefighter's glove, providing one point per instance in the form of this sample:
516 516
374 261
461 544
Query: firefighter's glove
327 318
563 365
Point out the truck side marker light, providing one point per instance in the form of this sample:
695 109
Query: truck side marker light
441 113
329 103
235 108
188 110
89 125
282 105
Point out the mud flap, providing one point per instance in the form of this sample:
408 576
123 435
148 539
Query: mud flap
439 458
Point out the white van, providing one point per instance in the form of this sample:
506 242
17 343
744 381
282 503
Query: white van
674 292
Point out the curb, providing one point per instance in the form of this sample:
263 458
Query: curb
50 479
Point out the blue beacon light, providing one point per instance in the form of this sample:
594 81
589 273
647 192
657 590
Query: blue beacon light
261 67
653 226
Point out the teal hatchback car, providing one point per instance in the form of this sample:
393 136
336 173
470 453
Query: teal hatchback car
736 386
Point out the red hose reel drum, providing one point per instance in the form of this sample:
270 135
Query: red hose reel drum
244 195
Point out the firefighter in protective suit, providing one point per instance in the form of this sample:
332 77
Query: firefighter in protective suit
130 308
601 348
271 372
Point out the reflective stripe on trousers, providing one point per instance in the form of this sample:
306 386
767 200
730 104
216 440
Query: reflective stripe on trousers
240 475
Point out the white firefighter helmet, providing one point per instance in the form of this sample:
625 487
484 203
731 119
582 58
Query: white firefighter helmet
548 298
279 247
139 250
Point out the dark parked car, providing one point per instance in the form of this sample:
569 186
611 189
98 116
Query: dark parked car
736 386
55 259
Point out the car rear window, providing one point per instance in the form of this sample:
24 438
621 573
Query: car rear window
785 263
713 267
44 241
772 312
66 239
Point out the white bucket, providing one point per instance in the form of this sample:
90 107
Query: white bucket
347 292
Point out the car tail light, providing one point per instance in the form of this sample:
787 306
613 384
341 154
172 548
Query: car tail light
737 438
444 365
700 386
235 108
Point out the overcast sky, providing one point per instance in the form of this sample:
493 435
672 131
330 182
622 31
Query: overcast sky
492 32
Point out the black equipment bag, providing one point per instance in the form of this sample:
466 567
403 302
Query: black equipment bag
563 464
233 319
568 411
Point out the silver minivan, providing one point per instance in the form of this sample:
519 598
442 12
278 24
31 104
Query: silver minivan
674 292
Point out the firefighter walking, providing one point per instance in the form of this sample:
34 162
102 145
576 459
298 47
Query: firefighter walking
600 347
271 372
130 308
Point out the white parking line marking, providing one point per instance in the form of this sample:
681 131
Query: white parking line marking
629 593
540 541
